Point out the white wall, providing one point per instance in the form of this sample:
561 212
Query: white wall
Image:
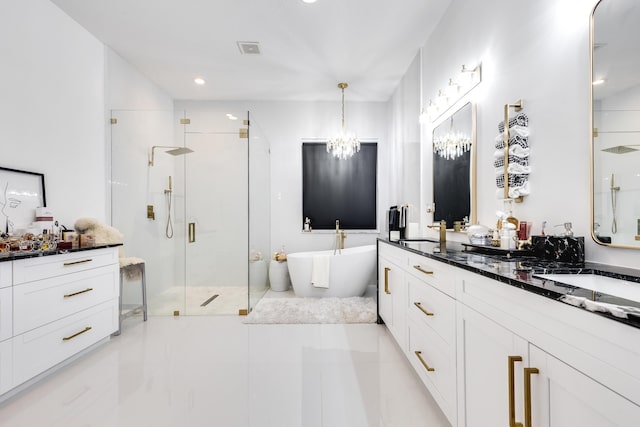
404 177
537 52
52 106
286 124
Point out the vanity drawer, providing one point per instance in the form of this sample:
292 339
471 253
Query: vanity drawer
28 270
393 254
439 356
40 349
432 308
5 274
6 314
44 301
435 273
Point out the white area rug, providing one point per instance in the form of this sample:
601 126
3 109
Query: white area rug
314 310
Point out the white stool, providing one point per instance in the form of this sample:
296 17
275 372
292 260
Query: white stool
133 269
279 276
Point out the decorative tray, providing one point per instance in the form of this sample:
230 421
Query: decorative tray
492 250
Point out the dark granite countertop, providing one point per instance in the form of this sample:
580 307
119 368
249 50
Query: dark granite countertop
13 256
522 272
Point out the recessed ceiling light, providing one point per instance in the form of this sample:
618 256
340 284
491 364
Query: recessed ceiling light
308 1
598 82
199 81
231 117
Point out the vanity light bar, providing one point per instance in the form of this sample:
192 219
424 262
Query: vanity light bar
467 79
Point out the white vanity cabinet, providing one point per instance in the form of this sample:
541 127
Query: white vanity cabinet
392 291
423 316
6 305
564 396
60 305
431 322
487 352
492 354
523 358
6 326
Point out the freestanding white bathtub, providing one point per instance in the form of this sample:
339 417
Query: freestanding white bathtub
349 272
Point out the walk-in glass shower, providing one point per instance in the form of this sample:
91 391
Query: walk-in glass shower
190 192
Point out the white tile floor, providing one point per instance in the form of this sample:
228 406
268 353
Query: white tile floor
217 371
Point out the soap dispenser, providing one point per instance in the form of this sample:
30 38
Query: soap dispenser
568 232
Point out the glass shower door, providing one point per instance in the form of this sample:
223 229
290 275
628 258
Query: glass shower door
259 177
216 223
140 202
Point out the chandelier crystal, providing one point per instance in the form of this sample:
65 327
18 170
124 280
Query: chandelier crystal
346 144
453 144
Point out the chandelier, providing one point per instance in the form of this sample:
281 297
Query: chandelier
345 144
453 144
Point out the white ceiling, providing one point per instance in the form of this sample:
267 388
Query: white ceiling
306 48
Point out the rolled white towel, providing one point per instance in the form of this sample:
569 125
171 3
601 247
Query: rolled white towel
515 192
320 270
518 169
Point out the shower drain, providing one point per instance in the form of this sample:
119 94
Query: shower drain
209 300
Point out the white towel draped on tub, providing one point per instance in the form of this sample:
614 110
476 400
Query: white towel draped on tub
320 271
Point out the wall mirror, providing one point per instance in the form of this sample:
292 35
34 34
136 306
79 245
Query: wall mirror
615 106
454 165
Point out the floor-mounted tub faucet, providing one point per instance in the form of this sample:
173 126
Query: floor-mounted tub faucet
340 236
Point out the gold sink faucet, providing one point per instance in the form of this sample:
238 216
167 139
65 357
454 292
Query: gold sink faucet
442 227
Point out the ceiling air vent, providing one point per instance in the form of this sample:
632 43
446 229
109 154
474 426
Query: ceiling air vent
249 48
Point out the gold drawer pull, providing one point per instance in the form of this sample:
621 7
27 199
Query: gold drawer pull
419 305
67 264
386 280
417 267
77 293
427 367
527 394
70 337
192 232
512 386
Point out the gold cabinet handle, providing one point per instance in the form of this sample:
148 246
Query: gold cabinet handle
417 267
512 391
419 305
386 280
424 363
78 293
67 264
527 394
192 232
70 337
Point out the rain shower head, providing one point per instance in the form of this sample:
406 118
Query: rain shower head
620 149
175 151
179 151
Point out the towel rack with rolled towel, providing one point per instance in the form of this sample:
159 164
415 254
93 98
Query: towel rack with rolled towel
512 157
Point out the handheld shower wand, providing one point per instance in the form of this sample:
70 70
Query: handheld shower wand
614 190
167 193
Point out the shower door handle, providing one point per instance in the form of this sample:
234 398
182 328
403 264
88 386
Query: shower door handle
192 232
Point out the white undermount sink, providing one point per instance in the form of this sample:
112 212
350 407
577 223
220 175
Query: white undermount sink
603 284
